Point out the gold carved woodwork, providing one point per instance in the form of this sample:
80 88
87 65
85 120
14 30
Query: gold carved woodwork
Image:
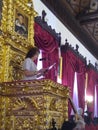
32 105
13 45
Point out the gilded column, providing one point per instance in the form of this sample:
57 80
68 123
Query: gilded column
4 16
33 13
31 32
2 113
9 16
5 63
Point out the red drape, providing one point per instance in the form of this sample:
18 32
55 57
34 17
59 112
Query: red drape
52 58
91 87
71 64
81 82
68 65
91 127
49 46
97 98
68 73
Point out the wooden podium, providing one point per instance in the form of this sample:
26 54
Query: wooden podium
33 105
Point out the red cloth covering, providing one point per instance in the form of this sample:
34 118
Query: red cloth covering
91 127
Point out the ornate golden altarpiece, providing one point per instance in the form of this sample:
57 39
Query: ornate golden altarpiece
25 105
13 45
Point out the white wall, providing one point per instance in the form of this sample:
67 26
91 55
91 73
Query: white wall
65 33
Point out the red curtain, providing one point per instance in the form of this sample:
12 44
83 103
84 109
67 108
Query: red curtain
68 65
52 58
81 82
71 64
97 98
91 87
91 127
81 89
68 72
49 46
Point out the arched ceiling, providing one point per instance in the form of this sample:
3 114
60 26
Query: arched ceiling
81 17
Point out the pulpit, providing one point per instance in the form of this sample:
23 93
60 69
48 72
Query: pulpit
33 105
